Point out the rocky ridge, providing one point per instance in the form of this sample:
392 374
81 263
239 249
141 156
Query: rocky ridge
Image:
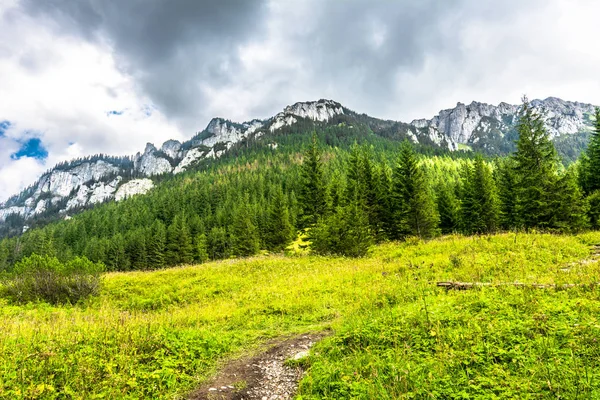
477 125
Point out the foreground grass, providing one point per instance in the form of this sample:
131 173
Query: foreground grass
159 334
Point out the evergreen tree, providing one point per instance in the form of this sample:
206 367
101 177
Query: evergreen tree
279 229
201 255
570 208
313 193
116 258
415 211
590 161
535 170
479 201
179 242
156 245
345 233
136 250
244 235
507 193
594 209
218 243
448 207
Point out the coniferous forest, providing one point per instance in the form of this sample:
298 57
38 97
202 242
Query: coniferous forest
342 192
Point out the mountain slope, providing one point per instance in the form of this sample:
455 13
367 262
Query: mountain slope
490 129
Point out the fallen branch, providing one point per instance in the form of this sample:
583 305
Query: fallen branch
471 285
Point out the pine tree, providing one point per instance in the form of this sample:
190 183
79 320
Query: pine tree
244 234
156 245
479 201
414 207
279 229
344 232
179 242
117 259
201 255
593 201
535 170
136 250
507 193
570 208
448 207
218 243
590 161
313 193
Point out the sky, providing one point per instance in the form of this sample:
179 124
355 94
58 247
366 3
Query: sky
82 77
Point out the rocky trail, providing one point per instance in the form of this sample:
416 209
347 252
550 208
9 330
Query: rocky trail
264 376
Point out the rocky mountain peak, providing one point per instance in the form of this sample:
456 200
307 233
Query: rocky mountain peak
477 125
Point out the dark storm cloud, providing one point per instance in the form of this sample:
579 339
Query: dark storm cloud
360 52
171 47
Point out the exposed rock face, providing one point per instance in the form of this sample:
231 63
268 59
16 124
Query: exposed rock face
82 183
150 164
321 111
134 187
466 124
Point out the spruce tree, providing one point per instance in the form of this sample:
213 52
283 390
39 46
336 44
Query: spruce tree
479 200
507 193
201 254
279 229
116 257
156 244
179 242
136 250
313 192
218 243
344 232
570 208
535 170
414 207
590 161
448 207
244 234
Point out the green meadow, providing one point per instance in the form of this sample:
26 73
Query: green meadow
393 332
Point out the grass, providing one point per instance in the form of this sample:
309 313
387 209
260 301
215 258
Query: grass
159 334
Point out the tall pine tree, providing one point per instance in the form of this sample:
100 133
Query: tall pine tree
313 192
590 161
535 171
415 211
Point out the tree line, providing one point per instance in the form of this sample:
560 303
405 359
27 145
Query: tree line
343 199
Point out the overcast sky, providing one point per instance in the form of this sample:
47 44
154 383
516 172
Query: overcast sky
80 77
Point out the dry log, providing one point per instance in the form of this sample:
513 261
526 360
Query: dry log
471 285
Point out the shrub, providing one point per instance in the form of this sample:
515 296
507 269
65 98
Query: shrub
44 278
344 233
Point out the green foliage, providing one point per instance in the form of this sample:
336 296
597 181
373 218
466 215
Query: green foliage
345 232
244 235
507 193
312 192
449 209
159 334
280 231
590 161
479 199
45 278
594 209
413 204
536 164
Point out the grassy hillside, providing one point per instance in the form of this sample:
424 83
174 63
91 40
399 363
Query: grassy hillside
159 334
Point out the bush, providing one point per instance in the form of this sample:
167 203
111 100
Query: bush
44 278
344 233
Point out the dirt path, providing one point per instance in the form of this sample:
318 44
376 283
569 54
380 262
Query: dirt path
263 376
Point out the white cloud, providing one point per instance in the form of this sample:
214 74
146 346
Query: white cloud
61 88
67 64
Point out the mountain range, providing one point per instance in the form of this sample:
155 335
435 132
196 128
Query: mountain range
481 127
